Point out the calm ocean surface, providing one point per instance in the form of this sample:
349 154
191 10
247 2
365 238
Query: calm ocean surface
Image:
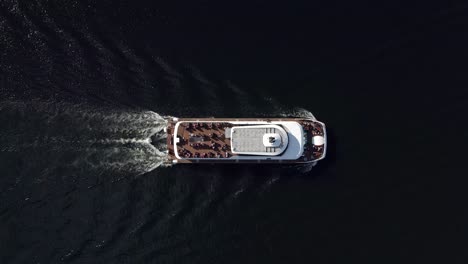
84 85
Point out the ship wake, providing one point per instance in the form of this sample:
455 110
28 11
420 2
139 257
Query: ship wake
84 137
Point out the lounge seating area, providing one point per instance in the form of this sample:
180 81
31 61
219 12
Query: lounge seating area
311 151
204 140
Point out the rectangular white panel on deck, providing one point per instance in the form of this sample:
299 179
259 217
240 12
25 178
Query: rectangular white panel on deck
268 140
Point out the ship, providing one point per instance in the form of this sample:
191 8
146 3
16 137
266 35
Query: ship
245 140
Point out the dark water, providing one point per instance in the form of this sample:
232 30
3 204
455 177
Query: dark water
83 86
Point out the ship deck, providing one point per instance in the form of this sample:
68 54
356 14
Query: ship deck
212 146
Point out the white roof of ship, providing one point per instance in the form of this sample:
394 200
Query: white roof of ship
266 140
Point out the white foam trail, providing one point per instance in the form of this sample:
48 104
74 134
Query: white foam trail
88 136
139 158
298 112
279 110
